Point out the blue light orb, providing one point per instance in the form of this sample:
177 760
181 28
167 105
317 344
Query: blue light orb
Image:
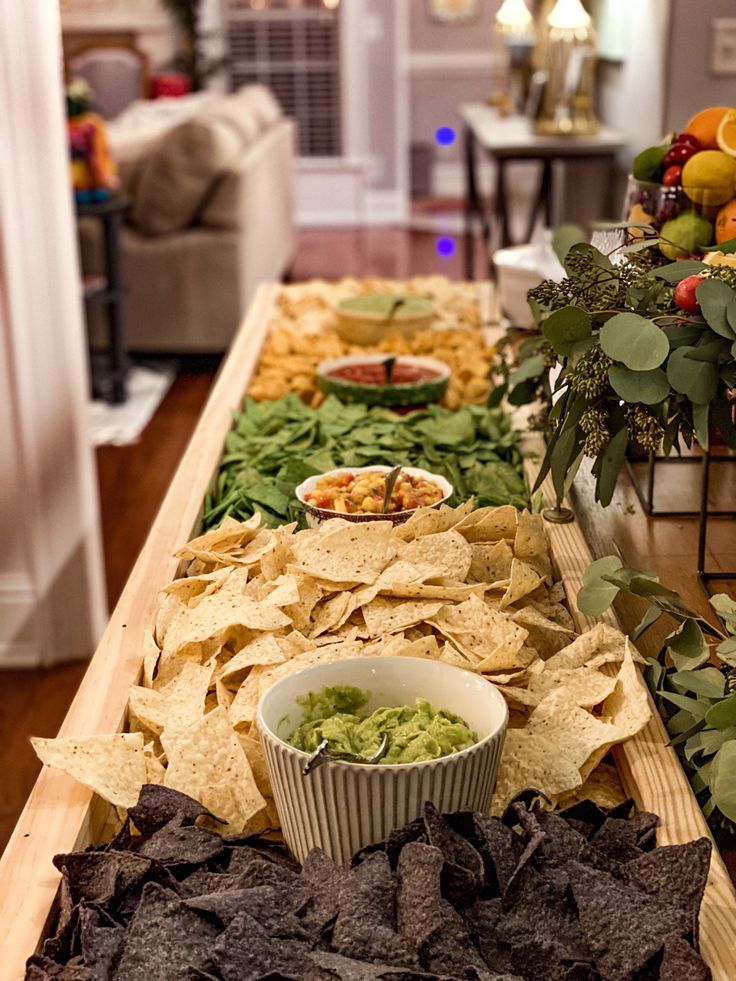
445 246
445 135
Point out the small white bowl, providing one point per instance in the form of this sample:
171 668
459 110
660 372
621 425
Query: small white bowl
317 516
342 807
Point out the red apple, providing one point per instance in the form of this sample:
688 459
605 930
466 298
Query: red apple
685 294
672 176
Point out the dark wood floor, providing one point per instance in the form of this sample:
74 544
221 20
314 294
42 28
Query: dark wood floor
133 480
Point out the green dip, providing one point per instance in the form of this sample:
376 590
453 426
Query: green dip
415 732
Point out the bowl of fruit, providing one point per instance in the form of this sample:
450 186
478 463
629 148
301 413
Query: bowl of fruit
685 186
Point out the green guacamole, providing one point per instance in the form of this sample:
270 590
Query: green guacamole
415 732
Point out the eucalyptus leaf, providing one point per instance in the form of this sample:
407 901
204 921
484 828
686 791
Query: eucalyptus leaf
649 387
611 460
723 714
565 327
714 296
635 341
711 740
650 617
673 272
688 640
595 598
727 652
709 682
529 368
726 247
723 780
697 708
565 237
696 379
701 414
724 605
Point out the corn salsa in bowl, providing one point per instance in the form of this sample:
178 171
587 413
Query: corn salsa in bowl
357 493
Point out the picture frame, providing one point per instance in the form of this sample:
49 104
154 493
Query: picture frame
449 12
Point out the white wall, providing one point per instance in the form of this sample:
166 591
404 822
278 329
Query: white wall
52 599
632 92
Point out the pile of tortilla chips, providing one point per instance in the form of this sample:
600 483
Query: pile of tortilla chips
471 588
303 334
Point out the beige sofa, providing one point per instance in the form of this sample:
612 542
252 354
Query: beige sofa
209 181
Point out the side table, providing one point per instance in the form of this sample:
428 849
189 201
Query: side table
107 291
505 139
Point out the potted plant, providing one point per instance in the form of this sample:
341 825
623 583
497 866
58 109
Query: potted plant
191 60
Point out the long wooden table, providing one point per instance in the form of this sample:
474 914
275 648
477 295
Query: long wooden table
61 815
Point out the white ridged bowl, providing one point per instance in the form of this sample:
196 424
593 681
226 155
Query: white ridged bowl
342 807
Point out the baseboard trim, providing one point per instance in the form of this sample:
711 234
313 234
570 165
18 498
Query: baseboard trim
20 654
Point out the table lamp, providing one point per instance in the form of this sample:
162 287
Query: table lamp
512 42
567 55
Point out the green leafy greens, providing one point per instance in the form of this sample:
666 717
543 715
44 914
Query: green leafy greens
275 445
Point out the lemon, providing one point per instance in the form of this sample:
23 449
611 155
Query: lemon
709 177
720 259
687 233
727 133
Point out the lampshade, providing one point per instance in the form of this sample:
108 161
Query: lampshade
568 15
514 17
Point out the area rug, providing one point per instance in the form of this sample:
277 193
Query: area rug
119 425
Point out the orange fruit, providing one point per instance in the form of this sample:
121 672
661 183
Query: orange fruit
726 222
704 126
727 133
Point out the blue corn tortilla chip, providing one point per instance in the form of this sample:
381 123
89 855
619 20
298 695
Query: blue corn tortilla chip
365 928
274 908
41 968
101 940
499 848
674 874
419 897
157 806
463 870
164 938
623 927
245 951
324 878
534 911
176 844
682 963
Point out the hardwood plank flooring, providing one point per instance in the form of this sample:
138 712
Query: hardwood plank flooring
133 480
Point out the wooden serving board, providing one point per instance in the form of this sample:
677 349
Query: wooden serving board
61 815
648 767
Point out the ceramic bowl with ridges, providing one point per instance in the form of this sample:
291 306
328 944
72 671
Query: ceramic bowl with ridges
342 807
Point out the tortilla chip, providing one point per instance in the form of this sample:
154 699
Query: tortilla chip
283 591
447 553
628 706
489 524
263 650
524 580
176 705
585 687
330 613
151 654
275 561
530 759
491 563
349 553
168 609
155 770
602 786
226 538
600 645
578 735
431 521
530 544
483 635
112 766
243 708
388 616
207 762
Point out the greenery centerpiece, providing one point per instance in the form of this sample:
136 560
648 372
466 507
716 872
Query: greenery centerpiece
621 364
692 680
